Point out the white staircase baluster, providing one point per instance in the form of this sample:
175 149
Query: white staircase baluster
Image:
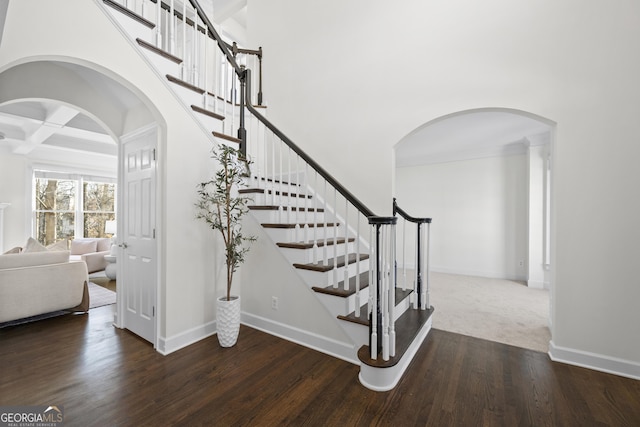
290 179
427 271
392 291
373 299
280 216
325 211
404 259
358 264
335 234
384 293
172 29
159 24
195 49
346 243
315 219
272 170
183 54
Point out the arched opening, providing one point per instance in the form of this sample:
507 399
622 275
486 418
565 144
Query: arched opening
90 120
485 177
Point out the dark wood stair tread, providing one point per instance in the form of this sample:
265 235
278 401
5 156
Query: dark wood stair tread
207 112
227 137
278 193
363 319
407 328
158 51
286 208
340 291
289 226
129 13
309 245
184 84
322 267
276 180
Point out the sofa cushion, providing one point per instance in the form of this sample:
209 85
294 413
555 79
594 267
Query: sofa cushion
81 247
104 244
15 250
33 258
60 245
33 246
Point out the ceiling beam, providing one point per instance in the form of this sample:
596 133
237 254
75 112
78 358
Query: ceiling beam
57 117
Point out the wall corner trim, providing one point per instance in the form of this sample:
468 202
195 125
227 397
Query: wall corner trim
176 342
597 362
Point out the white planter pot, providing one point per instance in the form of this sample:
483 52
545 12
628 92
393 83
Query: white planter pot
228 320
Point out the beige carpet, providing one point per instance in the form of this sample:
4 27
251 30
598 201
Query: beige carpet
504 311
99 296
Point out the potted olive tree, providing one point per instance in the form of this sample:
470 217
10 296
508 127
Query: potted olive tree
222 207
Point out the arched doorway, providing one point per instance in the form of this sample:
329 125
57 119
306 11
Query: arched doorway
131 120
484 176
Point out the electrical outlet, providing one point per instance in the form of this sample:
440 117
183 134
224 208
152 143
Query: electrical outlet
274 303
521 263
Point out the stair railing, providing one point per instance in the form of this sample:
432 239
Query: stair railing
305 193
419 259
251 59
382 334
208 63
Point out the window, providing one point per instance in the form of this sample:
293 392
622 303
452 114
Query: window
68 206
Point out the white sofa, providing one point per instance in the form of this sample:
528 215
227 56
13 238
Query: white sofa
41 282
91 250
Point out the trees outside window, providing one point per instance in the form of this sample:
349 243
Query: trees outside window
67 207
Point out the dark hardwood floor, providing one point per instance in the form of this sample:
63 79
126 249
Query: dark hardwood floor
109 377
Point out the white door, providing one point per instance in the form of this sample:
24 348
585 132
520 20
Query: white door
138 239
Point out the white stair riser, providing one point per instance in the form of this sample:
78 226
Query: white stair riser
342 306
210 123
132 27
256 182
285 216
358 333
277 200
317 278
188 96
305 256
301 234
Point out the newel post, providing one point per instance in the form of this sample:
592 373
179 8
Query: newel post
242 131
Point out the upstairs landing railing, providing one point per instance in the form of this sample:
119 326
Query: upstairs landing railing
182 29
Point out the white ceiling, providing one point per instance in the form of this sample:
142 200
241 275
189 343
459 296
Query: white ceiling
470 136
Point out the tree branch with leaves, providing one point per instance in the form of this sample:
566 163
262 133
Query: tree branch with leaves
222 207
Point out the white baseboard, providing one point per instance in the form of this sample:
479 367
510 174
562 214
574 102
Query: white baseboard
186 338
597 362
488 275
538 284
340 350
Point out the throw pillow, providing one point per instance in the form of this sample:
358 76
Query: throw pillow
33 246
60 245
81 247
15 250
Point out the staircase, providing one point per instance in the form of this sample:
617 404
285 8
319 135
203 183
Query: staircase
339 248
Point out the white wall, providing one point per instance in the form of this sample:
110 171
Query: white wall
347 80
187 288
479 213
13 183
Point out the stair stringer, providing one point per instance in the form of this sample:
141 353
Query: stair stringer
300 317
162 67
335 305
